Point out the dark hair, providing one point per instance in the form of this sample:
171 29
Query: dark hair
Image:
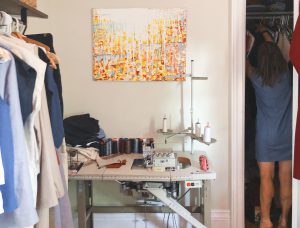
271 63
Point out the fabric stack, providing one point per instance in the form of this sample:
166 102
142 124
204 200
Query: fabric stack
32 182
83 131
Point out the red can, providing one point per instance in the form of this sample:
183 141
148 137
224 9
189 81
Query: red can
203 163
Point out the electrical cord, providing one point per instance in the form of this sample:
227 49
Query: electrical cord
168 220
175 221
173 218
178 199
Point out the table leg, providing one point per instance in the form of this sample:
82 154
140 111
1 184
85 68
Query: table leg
207 203
83 202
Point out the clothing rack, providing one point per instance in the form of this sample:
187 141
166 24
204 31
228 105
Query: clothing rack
268 15
16 7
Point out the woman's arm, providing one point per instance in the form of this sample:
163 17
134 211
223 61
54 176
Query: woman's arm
250 70
264 32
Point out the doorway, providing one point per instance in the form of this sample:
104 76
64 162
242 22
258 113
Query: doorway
275 17
238 25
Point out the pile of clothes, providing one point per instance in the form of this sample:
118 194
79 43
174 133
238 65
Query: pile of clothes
83 131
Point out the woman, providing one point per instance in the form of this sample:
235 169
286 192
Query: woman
273 141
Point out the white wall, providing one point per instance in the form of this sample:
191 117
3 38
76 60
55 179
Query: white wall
135 109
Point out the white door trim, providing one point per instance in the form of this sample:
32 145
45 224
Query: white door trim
237 125
296 183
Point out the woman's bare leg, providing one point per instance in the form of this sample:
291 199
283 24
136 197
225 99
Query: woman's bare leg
285 178
266 170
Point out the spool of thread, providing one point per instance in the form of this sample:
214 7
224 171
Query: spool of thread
203 163
134 145
127 149
151 142
115 146
207 134
121 145
108 146
140 145
103 148
198 129
165 128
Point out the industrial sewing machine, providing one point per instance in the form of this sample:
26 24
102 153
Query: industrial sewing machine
158 187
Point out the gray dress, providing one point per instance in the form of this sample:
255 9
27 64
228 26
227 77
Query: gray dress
273 141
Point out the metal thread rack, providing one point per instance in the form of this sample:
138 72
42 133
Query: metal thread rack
190 131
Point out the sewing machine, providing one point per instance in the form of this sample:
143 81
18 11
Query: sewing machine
162 185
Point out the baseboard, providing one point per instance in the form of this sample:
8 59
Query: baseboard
220 218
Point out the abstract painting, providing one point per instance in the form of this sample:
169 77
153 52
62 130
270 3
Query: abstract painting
139 44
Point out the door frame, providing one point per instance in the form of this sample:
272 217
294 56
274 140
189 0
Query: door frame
237 117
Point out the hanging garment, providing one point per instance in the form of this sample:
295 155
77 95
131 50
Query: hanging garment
5 22
2 182
26 52
26 77
53 103
62 213
51 187
25 214
47 39
7 153
295 59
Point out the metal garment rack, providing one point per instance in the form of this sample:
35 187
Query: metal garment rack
268 15
16 7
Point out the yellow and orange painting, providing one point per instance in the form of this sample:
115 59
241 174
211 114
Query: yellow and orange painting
139 44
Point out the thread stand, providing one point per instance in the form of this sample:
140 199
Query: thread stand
190 130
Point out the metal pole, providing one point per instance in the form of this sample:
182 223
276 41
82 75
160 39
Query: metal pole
192 105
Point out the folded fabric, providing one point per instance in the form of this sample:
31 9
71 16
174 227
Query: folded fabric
80 129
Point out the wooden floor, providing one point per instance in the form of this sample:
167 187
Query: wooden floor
250 225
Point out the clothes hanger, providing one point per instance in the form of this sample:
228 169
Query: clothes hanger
51 57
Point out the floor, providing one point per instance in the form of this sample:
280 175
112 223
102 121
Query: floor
250 225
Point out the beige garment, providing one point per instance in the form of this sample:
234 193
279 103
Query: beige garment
284 46
64 159
50 184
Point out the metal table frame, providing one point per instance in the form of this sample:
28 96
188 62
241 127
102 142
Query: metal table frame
86 176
